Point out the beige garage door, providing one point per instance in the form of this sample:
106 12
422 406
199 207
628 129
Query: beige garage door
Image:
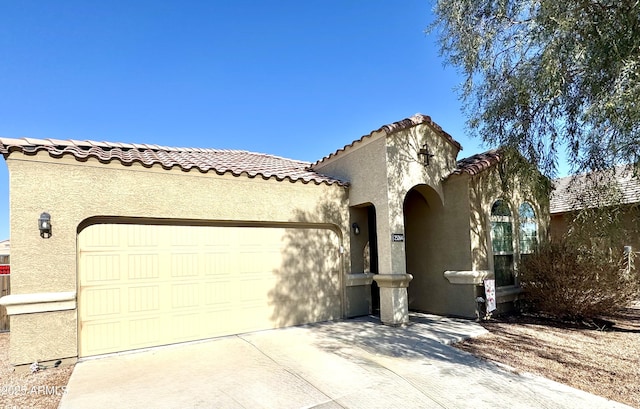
149 285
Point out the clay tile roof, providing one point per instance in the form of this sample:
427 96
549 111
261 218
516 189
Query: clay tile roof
571 192
235 162
477 163
390 129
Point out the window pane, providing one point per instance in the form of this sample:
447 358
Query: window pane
502 243
526 211
528 229
503 268
500 208
528 238
502 237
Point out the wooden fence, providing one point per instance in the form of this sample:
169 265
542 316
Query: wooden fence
5 288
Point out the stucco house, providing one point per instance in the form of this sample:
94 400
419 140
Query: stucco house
120 246
574 193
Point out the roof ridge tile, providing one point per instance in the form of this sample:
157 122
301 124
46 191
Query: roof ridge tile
477 163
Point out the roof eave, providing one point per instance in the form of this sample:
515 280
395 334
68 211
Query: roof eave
152 155
388 130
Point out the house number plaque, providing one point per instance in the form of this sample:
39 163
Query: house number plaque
397 237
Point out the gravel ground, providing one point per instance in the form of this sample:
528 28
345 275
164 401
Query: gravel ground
42 389
602 362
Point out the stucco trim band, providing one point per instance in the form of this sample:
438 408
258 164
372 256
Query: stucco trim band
17 304
354 280
475 277
393 280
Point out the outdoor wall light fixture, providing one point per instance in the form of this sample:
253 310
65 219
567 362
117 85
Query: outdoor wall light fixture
424 152
44 225
356 228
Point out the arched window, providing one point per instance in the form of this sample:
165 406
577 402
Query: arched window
502 243
528 229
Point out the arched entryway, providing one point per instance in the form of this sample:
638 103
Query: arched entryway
424 241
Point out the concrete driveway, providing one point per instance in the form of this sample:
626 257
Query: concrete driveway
348 364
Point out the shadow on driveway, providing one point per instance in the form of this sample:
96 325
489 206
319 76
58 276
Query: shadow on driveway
356 363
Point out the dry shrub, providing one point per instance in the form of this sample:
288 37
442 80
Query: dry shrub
567 282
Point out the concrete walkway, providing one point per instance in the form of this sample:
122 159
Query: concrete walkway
348 364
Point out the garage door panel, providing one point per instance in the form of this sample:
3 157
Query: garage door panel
253 317
102 302
184 236
154 285
186 327
144 299
104 239
257 262
144 331
251 290
106 337
143 266
102 267
184 265
135 235
217 292
218 263
185 295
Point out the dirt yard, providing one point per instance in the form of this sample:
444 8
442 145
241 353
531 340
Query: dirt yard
42 389
602 362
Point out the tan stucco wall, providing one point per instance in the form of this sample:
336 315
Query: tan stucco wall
405 169
364 166
450 233
73 191
630 220
485 189
438 239
43 337
457 224
382 169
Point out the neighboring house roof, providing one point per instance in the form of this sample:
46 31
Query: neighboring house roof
571 192
477 163
392 128
235 162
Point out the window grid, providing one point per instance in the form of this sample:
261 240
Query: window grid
502 243
505 256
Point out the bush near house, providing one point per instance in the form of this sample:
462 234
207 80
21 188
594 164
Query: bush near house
570 282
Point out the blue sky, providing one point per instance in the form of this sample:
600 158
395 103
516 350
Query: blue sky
297 79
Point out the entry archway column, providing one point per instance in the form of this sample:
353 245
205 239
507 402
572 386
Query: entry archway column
394 302
392 280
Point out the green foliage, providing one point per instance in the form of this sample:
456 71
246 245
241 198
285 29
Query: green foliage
518 174
547 75
578 283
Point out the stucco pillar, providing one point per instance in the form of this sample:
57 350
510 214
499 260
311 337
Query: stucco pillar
392 278
394 303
